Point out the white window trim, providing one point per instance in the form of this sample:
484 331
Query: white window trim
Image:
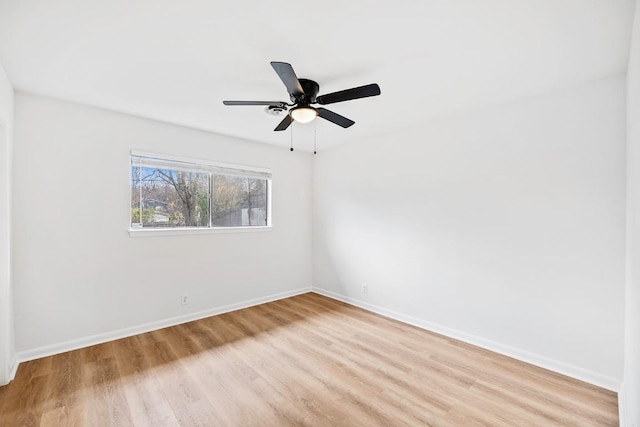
181 231
195 161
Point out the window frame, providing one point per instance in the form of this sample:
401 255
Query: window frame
200 165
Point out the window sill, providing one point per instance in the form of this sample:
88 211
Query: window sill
151 232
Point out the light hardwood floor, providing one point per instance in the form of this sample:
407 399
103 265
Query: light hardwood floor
306 360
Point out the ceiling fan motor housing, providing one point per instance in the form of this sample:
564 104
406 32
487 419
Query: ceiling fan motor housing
310 89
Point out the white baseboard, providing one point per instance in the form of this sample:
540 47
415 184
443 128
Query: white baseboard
585 375
622 417
75 344
10 372
13 368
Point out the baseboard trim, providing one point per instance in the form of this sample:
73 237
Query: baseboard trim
581 374
10 373
13 368
75 344
622 415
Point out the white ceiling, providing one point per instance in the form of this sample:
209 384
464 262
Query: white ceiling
176 61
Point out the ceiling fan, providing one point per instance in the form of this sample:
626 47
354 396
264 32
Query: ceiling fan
303 94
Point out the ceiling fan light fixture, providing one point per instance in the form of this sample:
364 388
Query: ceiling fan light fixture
304 114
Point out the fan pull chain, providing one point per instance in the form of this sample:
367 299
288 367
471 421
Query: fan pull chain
292 124
315 129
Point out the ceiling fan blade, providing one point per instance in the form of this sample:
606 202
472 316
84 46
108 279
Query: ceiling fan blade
273 103
284 123
349 94
334 117
288 77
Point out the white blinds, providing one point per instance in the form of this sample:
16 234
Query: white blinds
194 165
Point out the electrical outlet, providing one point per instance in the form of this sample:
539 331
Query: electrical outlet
184 299
365 288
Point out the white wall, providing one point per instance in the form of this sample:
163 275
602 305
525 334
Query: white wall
6 316
78 275
504 227
630 395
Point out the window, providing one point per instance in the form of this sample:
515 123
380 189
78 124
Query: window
174 193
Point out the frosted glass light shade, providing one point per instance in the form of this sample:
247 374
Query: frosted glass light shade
303 114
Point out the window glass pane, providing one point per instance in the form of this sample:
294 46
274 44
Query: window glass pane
163 197
239 201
